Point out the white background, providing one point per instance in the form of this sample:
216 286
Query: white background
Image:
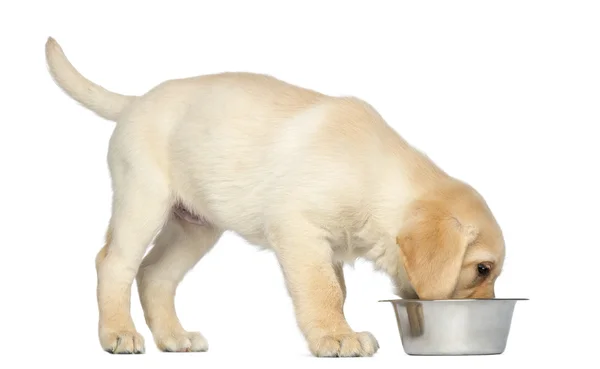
504 95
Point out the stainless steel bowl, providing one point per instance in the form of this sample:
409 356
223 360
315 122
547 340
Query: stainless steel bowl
454 327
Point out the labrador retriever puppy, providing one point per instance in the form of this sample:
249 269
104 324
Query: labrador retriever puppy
319 180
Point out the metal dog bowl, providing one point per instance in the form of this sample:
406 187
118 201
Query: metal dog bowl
454 327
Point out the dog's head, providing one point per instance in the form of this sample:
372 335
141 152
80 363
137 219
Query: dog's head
451 245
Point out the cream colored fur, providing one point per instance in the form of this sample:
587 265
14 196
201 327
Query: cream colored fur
319 180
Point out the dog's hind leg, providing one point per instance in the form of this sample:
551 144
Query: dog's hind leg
178 247
141 203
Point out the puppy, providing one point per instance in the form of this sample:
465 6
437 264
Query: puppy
317 179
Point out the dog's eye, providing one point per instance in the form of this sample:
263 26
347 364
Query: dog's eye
483 269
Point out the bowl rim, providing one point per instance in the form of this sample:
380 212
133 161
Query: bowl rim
457 300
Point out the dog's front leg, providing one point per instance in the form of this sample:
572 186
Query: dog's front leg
316 286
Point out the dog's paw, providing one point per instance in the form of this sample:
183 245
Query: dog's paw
181 342
122 342
345 345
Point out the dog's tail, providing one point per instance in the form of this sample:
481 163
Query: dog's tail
106 104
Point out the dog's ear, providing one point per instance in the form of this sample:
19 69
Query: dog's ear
433 245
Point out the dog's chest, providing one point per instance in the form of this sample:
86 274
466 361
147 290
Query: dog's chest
363 241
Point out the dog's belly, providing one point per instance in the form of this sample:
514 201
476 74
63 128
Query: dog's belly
186 214
246 222
253 235
231 204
